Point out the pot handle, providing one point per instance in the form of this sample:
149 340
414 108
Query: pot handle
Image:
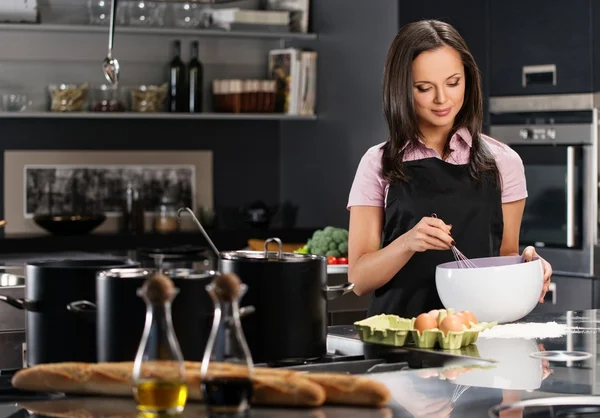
268 241
333 292
83 308
23 304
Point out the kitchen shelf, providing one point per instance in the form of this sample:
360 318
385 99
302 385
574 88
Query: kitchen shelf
215 33
136 115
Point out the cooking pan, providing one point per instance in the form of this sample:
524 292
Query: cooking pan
289 292
54 334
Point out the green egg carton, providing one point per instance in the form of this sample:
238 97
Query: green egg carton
454 340
384 329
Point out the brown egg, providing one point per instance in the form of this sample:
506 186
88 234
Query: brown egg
435 313
470 315
464 319
425 321
451 323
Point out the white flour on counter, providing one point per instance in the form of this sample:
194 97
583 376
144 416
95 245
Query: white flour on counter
527 331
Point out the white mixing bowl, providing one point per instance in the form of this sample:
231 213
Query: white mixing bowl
501 289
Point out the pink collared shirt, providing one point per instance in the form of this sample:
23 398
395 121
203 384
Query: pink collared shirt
370 189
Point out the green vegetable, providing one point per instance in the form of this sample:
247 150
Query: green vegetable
330 241
303 250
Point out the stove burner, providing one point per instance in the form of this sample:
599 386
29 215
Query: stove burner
560 355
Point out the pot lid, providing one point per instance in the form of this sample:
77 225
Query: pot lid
143 273
270 256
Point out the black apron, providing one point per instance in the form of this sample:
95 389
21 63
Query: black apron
474 209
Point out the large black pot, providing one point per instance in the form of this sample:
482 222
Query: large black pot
289 292
54 334
121 312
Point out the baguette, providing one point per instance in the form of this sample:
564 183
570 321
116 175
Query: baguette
345 389
115 379
270 386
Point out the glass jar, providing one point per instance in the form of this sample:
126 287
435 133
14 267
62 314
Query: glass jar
166 219
106 98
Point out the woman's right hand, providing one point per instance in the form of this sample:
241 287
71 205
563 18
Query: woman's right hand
429 234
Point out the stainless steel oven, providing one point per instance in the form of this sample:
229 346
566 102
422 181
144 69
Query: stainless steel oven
557 139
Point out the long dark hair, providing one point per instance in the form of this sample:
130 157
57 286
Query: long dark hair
404 133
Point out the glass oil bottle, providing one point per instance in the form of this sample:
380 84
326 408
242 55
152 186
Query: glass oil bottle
159 385
227 394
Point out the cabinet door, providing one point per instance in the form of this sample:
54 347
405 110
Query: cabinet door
530 38
570 294
471 20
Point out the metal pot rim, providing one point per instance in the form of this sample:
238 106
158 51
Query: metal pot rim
269 256
174 274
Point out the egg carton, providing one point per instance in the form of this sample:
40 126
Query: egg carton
385 329
453 340
397 331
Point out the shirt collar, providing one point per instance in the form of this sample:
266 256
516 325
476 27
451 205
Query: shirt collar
461 133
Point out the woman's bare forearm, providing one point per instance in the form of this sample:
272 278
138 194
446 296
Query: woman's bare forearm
373 270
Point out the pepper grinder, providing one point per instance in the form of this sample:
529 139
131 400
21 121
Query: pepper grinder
159 385
227 344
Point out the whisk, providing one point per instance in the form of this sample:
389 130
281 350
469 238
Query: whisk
458 391
461 260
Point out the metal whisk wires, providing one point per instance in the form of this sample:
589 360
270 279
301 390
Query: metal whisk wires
461 260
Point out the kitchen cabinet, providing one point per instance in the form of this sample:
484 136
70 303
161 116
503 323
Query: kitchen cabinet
471 20
570 294
544 44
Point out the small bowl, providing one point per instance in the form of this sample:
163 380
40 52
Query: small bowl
500 289
69 224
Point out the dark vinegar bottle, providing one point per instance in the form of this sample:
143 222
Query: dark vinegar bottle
195 80
176 80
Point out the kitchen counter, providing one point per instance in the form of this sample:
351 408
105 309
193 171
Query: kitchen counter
465 383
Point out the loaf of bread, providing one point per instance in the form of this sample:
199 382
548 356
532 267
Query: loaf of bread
270 386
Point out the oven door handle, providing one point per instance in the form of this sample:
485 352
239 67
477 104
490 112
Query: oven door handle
571 196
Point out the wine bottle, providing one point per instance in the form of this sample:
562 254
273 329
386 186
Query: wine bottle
195 76
176 80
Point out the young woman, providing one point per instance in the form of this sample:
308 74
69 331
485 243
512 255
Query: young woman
436 160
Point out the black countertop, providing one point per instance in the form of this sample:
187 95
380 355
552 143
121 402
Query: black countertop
467 384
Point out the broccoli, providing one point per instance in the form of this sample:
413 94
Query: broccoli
330 241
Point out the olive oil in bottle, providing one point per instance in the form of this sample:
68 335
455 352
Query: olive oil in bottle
159 370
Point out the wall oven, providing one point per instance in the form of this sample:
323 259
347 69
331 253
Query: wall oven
557 139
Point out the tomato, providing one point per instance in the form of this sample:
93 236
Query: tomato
342 260
331 260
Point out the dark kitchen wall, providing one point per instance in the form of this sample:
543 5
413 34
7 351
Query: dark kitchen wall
318 160
245 153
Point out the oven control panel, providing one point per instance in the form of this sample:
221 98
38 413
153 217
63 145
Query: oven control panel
537 133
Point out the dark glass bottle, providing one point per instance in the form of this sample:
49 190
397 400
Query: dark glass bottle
195 80
176 80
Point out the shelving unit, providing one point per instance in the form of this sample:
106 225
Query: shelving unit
134 115
158 31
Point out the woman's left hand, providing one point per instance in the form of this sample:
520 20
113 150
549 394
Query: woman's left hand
529 254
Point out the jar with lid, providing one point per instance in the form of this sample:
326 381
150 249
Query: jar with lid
166 219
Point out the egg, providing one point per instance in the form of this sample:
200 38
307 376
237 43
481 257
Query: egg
435 313
424 322
470 315
464 319
451 323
